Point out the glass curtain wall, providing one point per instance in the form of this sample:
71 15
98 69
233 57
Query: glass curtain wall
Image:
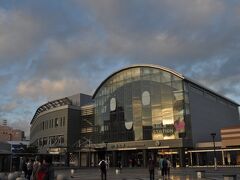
140 103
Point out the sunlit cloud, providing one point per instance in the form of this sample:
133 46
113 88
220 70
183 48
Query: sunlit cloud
50 89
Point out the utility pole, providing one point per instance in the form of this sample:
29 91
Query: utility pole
214 150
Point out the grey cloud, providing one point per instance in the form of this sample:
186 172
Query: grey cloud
168 33
3 80
221 75
25 28
8 107
18 35
85 41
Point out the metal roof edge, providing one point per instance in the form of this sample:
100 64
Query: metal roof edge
210 90
134 66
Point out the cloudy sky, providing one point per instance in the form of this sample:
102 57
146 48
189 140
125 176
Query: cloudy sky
55 48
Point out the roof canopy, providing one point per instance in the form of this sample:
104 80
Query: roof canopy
50 105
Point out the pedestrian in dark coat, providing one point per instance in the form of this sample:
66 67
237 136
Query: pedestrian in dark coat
103 168
169 165
24 167
164 167
151 166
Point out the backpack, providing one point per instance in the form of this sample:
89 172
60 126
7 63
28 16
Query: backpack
164 163
102 165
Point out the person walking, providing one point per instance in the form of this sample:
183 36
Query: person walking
36 166
103 168
164 168
46 170
24 167
151 166
161 166
169 165
29 168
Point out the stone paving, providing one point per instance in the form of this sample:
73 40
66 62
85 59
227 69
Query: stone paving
139 174
142 174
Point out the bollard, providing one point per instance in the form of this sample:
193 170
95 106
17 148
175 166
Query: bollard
117 171
2 176
72 172
17 173
61 177
11 176
230 177
200 174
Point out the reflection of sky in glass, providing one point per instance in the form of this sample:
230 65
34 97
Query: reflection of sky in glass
147 96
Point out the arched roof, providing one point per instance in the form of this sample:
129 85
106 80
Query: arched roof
139 65
167 70
51 105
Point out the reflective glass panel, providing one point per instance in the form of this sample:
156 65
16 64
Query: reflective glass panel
141 103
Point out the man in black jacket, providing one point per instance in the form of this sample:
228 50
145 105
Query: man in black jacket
103 167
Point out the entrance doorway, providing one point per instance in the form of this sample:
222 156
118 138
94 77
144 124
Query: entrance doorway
171 154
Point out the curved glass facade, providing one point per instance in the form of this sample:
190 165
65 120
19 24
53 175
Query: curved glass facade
140 103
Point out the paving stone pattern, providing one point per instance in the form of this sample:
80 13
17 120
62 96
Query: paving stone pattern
143 174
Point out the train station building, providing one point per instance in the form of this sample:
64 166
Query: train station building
136 112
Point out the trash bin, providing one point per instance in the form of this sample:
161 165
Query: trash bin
230 177
117 171
200 174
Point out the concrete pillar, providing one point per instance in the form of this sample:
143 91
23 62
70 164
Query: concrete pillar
223 158
89 158
79 159
145 158
191 160
114 158
182 157
197 158
67 159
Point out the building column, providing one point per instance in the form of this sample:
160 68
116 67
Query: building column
197 158
79 159
145 158
191 160
181 152
114 158
223 158
89 158
67 158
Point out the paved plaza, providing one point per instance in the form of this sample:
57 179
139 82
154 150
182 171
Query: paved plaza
142 173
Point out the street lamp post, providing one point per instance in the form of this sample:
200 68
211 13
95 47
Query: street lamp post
214 150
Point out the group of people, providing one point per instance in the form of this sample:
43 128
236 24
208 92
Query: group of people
164 167
40 169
